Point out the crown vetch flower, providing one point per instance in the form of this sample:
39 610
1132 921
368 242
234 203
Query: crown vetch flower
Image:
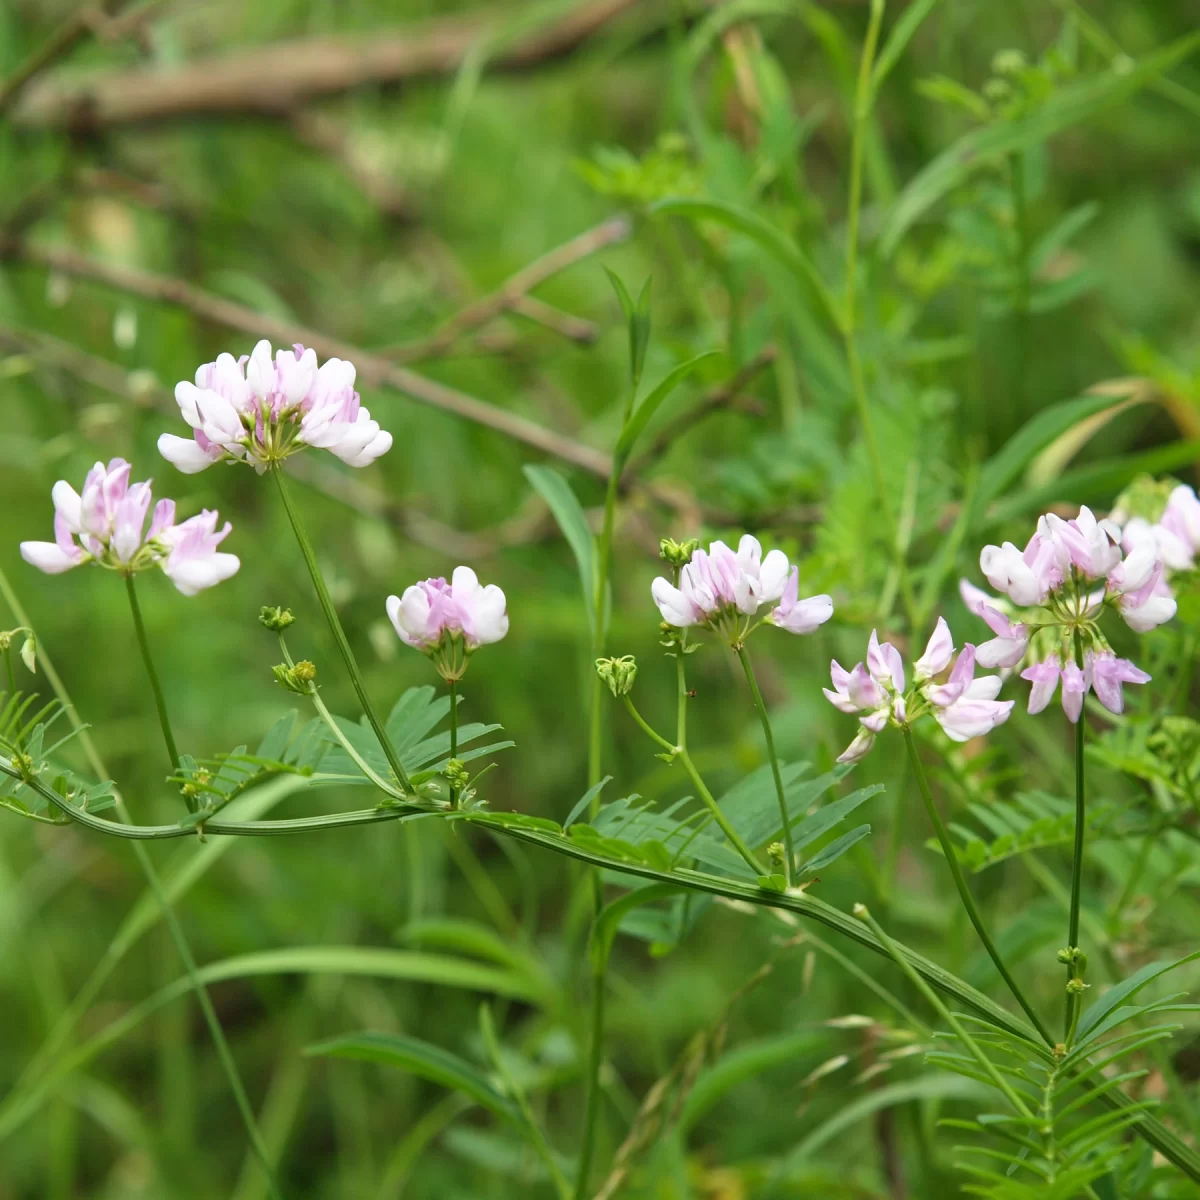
1070 573
449 621
260 409
723 590
877 692
193 561
106 525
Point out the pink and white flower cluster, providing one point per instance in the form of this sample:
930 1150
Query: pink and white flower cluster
1064 558
106 524
449 621
877 693
723 590
1071 572
259 409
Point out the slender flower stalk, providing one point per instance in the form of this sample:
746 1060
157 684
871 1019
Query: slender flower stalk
680 752
339 634
453 685
160 702
1074 999
789 849
960 884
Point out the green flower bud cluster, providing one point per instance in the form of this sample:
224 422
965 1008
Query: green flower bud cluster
678 554
300 678
618 673
276 618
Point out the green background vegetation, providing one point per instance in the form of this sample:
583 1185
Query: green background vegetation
1062 254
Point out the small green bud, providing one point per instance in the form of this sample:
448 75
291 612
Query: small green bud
1076 987
456 773
28 646
777 852
1065 956
1008 62
276 618
618 673
678 554
300 679
997 90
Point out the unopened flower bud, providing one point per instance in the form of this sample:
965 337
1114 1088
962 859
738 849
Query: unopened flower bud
618 673
300 679
28 646
997 90
456 773
777 852
1076 987
1066 956
1008 62
678 554
276 618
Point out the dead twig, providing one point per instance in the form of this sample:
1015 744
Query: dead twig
87 20
277 78
513 294
373 369
143 389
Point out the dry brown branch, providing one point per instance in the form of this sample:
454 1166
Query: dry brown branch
373 369
87 20
565 324
276 78
513 294
144 390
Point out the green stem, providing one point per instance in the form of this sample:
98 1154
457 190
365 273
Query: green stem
345 743
960 883
599 627
785 821
1016 165
1073 1001
684 757
339 634
159 700
453 736
595 753
595 1061
860 911
228 1064
863 98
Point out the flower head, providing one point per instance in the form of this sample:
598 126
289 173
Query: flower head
449 621
723 590
878 694
261 409
106 524
1069 574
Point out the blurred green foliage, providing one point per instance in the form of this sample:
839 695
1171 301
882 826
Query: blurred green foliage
1030 230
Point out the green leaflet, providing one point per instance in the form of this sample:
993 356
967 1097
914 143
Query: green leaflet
424 1059
1071 105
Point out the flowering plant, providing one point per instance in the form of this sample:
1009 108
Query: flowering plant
106 525
261 410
